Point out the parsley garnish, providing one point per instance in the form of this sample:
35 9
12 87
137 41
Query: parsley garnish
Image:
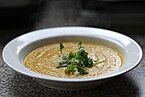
61 47
75 61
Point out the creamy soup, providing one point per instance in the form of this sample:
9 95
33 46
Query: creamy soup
44 59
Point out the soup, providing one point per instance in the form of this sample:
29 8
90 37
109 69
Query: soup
102 59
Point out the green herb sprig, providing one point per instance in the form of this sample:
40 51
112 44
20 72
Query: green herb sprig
75 61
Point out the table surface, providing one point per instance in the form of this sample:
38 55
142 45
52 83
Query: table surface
13 84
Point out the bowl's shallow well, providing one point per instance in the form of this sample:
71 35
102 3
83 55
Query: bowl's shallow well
16 50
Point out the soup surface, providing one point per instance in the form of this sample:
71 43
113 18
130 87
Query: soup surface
44 59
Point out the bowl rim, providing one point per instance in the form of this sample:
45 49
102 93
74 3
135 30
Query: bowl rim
46 77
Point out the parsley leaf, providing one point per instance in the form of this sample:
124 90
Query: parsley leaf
70 69
61 47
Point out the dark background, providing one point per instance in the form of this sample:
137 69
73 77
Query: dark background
22 16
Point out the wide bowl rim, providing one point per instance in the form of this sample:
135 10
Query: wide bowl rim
45 77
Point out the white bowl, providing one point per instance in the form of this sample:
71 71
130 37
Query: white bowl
15 51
